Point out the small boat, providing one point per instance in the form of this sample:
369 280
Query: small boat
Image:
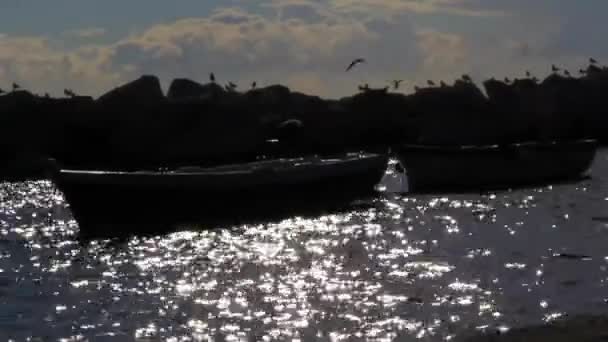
190 193
470 168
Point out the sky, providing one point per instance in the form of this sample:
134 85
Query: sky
92 46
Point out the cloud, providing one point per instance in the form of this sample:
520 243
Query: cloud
453 7
239 45
91 32
307 44
34 63
446 55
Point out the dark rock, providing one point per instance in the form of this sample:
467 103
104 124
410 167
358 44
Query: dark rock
182 88
145 89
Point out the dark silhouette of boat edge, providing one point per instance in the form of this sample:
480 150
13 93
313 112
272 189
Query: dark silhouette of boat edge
448 169
104 202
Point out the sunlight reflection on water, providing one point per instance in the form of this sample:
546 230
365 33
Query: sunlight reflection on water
425 267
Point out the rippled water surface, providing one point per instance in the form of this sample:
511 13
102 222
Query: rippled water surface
423 268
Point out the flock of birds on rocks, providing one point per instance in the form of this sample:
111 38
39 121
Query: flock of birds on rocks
395 84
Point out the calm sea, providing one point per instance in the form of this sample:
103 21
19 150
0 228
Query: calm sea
425 268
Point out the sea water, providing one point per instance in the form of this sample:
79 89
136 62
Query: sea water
400 267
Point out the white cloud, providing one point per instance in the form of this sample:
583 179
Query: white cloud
85 33
307 44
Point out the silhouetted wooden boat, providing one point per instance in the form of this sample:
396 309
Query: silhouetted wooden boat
471 168
192 193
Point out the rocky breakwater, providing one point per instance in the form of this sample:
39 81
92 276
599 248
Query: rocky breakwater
136 125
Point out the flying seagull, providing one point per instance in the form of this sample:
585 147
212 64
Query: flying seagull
355 62
212 77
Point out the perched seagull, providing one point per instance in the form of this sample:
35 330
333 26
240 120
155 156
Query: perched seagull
467 78
364 87
431 83
47 96
254 85
212 77
528 74
567 73
396 84
68 92
16 86
355 62
554 68
592 61
231 86
582 71
442 84
507 80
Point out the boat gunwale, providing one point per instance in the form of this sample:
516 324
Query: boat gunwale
258 167
495 147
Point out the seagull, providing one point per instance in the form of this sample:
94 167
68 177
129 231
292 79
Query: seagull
396 84
431 83
231 86
567 73
364 87
582 71
592 61
554 68
467 78
355 62
442 84
16 86
528 74
69 93
254 84
47 96
507 80
212 77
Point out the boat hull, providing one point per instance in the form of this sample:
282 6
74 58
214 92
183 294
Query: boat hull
473 168
219 195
